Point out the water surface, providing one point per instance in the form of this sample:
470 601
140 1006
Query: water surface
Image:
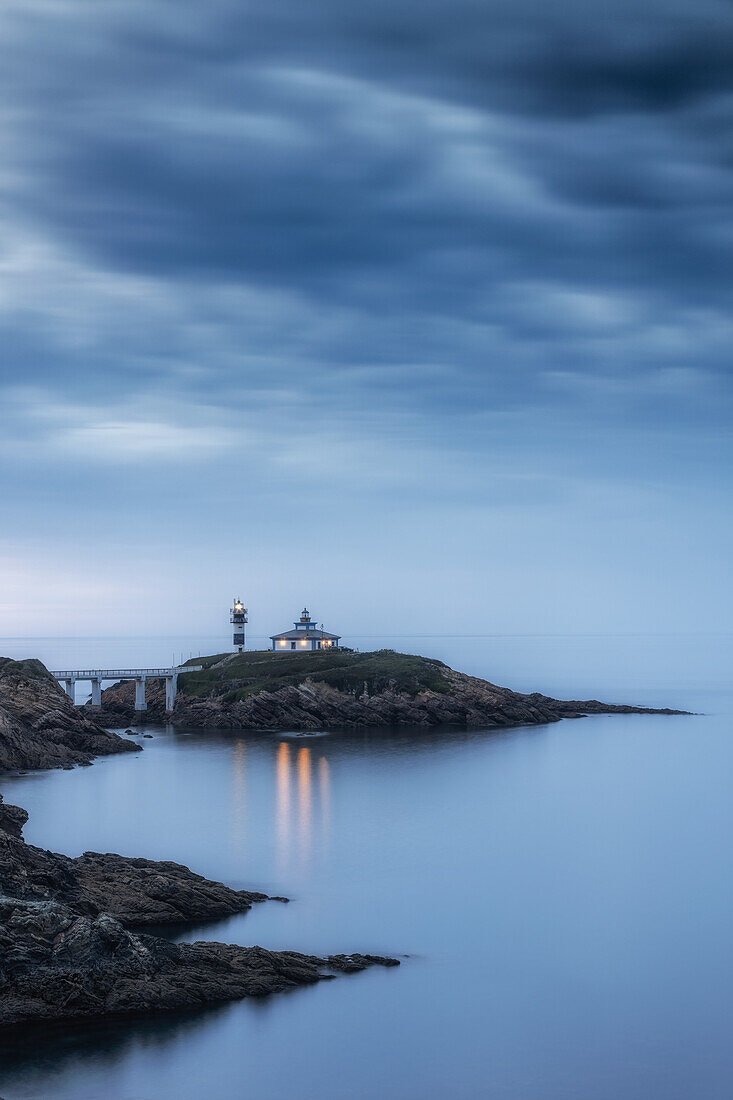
564 893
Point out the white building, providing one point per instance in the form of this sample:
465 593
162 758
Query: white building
304 637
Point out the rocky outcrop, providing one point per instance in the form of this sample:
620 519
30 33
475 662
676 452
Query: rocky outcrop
39 725
145 891
68 946
60 965
134 891
422 693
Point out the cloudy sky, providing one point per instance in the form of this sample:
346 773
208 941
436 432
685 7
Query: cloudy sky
420 313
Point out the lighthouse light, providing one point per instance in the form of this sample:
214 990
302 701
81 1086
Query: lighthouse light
238 617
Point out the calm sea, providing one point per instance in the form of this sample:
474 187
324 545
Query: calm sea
563 895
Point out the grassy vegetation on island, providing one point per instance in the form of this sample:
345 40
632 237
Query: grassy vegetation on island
234 676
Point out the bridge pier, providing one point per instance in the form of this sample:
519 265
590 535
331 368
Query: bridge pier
69 676
140 703
171 690
96 693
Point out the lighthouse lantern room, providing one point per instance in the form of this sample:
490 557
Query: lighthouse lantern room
238 617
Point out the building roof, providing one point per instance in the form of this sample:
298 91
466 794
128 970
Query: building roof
302 635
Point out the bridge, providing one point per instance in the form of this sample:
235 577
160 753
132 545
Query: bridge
139 675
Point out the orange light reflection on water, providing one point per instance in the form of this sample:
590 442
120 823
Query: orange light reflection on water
305 803
295 837
239 792
282 803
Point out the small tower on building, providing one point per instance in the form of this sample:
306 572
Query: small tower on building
238 617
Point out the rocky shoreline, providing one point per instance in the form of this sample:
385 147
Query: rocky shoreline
41 728
70 944
70 939
310 691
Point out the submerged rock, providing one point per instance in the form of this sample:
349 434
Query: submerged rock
68 949
39 725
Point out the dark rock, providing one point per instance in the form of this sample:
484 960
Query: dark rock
12 819
39 725
145 891
134 891
59 965
67 948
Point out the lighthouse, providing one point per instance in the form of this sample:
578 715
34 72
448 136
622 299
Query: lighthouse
238 617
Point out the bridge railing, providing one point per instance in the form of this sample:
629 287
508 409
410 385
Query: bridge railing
123 673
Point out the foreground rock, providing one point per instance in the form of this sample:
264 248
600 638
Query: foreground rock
67 949
39 725
330 690
144 891
59 965
134 891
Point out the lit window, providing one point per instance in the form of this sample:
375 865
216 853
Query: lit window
283 642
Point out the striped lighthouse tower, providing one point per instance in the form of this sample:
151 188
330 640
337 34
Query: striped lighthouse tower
238 617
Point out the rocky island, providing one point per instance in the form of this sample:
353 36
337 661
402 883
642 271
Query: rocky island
333 688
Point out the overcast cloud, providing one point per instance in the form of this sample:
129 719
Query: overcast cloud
368 305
